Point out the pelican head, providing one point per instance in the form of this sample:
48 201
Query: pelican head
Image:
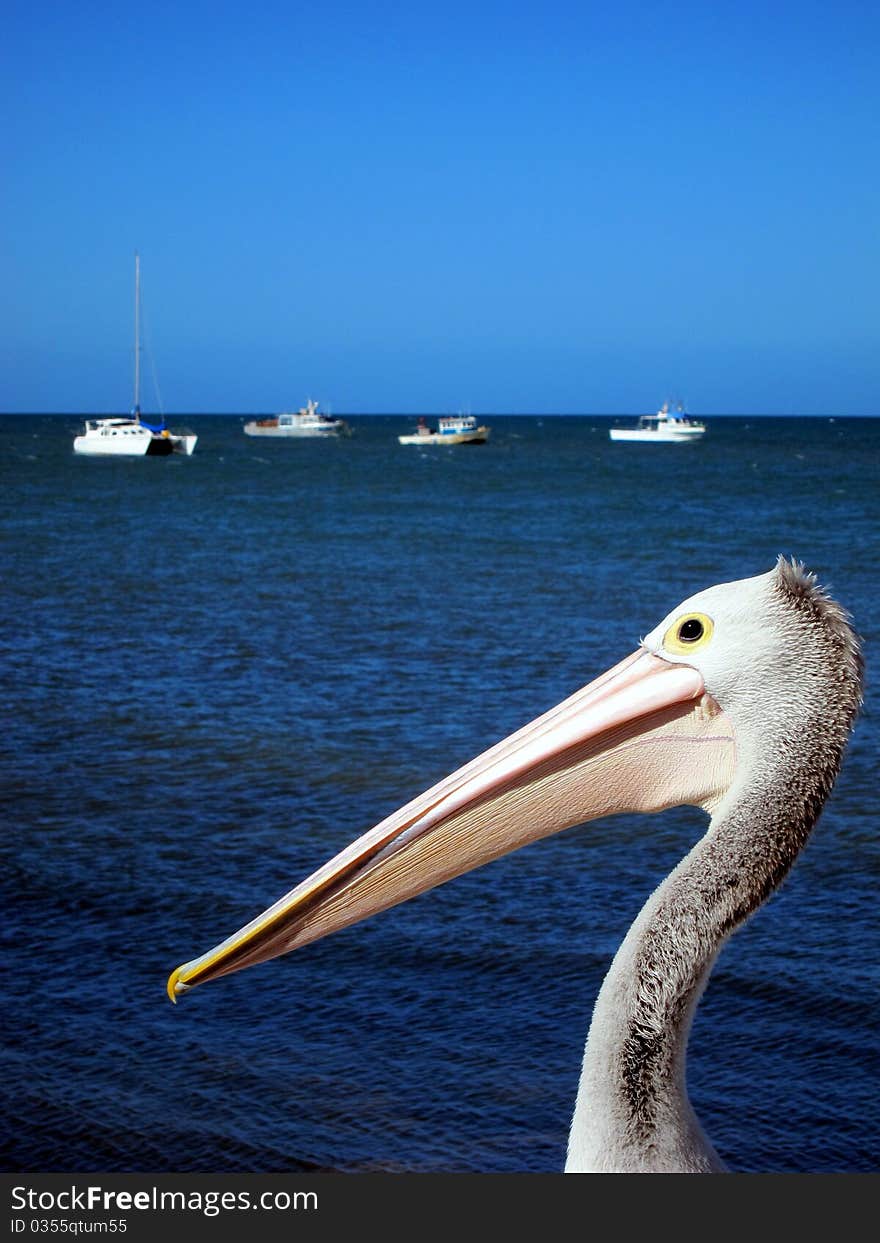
739 702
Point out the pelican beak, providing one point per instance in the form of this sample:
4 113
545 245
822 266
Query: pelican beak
642 737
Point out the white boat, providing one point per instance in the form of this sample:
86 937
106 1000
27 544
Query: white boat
451 429
661 428
132 436
307 421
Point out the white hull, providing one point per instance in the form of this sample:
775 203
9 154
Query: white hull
660 435
479 437
129 438
117 443
254 429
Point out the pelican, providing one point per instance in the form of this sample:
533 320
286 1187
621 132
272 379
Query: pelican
740 702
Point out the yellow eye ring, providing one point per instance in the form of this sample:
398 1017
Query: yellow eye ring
690 632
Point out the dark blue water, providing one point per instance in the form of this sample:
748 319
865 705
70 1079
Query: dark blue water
218 671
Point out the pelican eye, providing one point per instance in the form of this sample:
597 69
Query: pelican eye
688 633
691 630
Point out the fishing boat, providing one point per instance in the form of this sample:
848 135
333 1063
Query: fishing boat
451 429
307 421
664 427
133 436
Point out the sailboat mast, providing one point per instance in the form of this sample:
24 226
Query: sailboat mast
137 335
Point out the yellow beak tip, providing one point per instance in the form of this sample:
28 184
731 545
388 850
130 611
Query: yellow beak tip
175 984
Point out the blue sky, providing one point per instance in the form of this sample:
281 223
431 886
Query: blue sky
410 207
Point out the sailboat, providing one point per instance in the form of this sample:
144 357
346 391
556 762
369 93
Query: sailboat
133 436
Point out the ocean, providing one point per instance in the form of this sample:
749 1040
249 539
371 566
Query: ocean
219 670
